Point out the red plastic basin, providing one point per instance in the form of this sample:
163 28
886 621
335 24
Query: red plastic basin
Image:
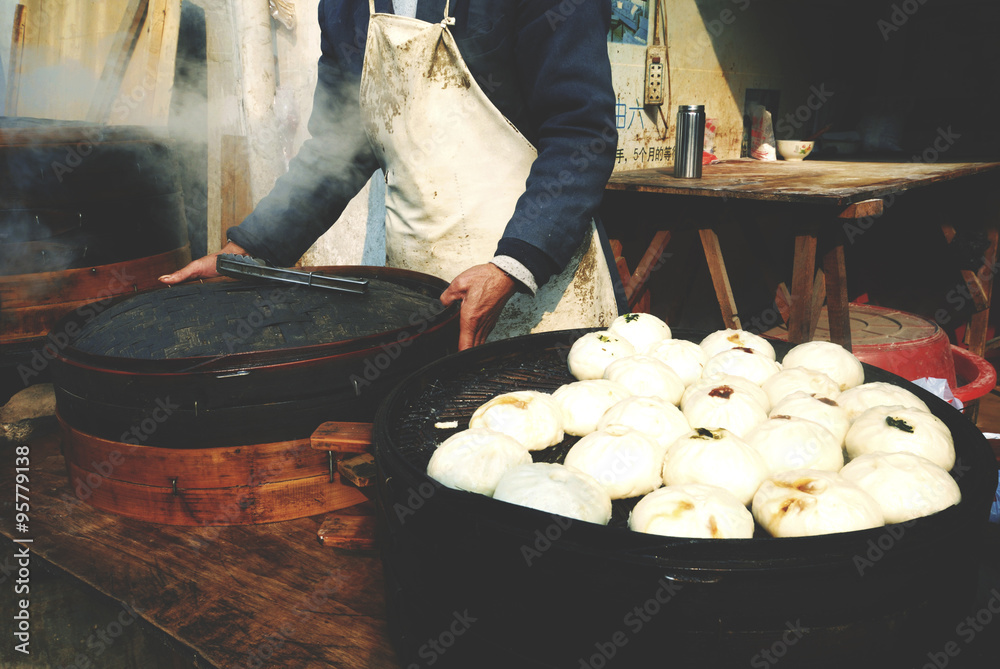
914 347
977 373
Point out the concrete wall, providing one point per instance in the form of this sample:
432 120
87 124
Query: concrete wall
717 49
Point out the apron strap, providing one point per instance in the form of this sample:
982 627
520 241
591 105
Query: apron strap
447 20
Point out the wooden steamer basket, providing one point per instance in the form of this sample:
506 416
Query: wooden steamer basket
195 405
87 212
544 592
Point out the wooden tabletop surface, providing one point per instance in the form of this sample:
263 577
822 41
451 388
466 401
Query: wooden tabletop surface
838 183
232 594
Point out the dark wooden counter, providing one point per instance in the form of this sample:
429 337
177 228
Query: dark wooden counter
242 596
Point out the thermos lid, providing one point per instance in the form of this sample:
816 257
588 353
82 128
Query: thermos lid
691 108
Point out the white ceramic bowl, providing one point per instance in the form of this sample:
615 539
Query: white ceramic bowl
794 149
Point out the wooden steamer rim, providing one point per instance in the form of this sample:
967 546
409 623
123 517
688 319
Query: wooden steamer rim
236 485
252 396
34 303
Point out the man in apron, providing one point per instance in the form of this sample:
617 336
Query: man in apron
493 122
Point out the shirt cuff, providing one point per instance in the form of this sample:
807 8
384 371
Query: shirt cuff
531 258
251 245
517 271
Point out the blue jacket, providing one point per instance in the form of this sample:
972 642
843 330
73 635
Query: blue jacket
543 63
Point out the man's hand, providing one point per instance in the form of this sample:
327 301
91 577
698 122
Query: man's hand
202 268
483 291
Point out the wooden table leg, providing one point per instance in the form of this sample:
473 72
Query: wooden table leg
836 296
818 299
720 278
835 270
803 271
650 261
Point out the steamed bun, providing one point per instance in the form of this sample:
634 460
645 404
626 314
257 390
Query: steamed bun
788 443
475 460
650 415
685 357
643 331
646 375
531 417
723 406
893 429
744 362
625 461
832 359
692 510
715 457
584 402
859 399
591 354
905 485
808 502
723 340
556 489
822 410
795 379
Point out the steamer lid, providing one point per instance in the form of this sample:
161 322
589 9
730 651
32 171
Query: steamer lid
217 319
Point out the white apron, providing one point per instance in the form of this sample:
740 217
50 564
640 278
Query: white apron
454 170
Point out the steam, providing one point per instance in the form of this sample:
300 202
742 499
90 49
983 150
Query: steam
70 87
46 90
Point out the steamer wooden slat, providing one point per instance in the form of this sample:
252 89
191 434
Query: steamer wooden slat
194 468
32 303
91 283
343 437
242 505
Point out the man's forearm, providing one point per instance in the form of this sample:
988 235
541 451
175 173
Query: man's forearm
303 204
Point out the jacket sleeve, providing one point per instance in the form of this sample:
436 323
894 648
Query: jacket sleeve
565 74
331 167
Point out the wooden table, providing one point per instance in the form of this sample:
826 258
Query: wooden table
823 204
241 596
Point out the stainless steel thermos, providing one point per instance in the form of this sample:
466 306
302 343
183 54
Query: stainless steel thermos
690 141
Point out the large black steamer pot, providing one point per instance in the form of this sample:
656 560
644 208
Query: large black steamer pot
474 582
87 211
75 194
